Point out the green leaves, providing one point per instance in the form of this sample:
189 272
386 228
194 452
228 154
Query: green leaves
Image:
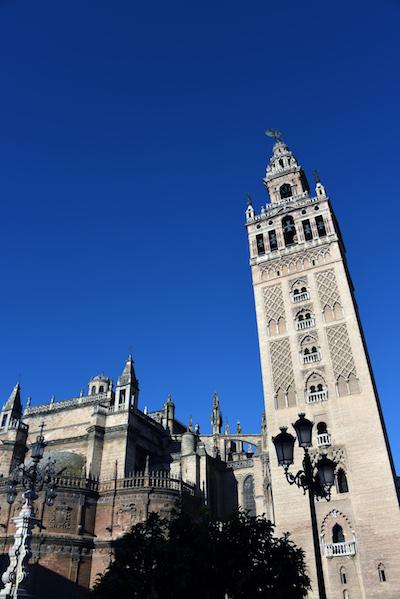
203 558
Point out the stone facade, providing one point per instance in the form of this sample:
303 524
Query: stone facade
115 464
314 360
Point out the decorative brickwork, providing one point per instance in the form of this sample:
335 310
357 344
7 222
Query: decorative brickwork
282 367
273 303
340 349
327 288
294 263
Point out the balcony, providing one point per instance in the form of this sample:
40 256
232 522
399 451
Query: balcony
311 358
300 297
339 549
305 324
317 396
323 440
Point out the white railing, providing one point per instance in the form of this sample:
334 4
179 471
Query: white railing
313 357
338 549
301 297
117 407
317 396
305 324
323 440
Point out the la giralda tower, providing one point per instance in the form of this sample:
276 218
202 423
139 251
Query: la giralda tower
314 360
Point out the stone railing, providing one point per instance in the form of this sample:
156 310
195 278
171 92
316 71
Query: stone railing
302 199
316 396
305 324
310 358
339 549
300 297
323 440
66 403
152 480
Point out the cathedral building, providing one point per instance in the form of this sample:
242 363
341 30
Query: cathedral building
116 463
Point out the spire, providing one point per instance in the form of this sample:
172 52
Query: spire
238 428
216 415
128 374
284 177
13 403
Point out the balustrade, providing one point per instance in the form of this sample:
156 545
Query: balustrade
310 358
305 324
317 396
323 440
300 297
339 549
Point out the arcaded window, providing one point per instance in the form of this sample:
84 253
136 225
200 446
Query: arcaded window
319 221
260 244
307 230
343 575
285 191
101 389
93 392
248 495
289 230
337 534
342 484
273 242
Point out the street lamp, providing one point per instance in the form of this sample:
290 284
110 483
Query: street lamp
33 479
318 485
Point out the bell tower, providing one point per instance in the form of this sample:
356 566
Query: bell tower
314 360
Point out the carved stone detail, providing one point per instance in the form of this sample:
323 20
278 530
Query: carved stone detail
294 263
61 517
340 349
327 288
273 303
281 361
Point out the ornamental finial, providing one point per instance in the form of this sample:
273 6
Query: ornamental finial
277 135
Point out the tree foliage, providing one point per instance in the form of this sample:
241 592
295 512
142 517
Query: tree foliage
201 558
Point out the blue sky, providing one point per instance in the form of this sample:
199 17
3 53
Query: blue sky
130 134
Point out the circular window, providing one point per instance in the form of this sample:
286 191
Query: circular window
270 222
316 207
258 226
303 211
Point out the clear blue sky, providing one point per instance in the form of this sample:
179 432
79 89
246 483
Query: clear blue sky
130 134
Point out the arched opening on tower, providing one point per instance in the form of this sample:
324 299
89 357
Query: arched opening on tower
289 230
285 191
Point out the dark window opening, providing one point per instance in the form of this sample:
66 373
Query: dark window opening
285 191
342 484
122 396
101 389
319 220
382 574
343 576
281 162
248 495
273 242
4 420
337 534
289 230
260 244
321 428
307 230
93 390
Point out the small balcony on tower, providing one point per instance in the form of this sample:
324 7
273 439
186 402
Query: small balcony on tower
340 549
316 393
300 294
304 321
311 355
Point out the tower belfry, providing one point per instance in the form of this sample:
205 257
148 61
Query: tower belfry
314 360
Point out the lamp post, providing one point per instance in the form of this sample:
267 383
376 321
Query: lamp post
33 479
318 485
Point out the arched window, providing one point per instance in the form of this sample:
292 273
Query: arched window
280 399
291 396
343 575
281 328
272 328
342 484
346 594
122 396
381 573
285 191
101 389
321 428
289 230
353 384
337 534
341 385
93 392
4 420
248 495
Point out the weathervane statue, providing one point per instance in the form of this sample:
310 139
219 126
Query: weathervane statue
277 135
